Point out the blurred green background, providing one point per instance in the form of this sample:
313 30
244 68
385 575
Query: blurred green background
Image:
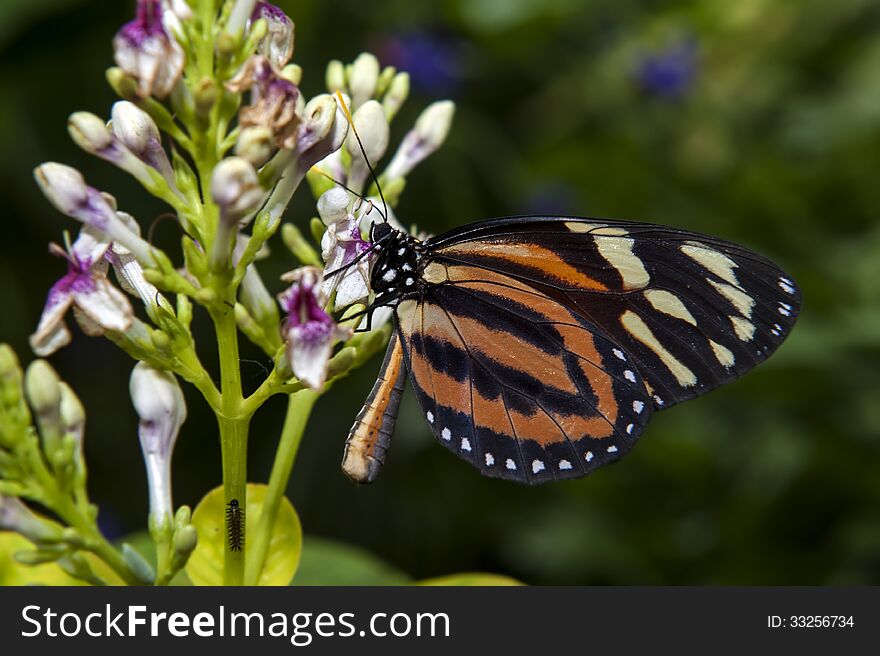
756 120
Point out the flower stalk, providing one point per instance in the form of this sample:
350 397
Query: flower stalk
212 122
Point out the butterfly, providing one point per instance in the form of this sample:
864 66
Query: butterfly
538 347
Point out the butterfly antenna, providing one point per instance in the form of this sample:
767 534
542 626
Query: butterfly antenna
364 153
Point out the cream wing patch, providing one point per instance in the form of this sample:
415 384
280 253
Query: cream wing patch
618 252
668 303
718 263
636 327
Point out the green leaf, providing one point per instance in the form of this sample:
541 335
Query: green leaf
327 562
472 579
205 566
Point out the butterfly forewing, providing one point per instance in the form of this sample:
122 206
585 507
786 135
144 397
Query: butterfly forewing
691 312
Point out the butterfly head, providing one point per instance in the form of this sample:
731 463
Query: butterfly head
395 271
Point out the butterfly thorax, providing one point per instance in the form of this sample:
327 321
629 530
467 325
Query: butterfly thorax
395 272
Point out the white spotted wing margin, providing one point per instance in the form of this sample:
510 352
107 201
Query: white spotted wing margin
514 383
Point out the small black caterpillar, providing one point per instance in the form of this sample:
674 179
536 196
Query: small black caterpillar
234 525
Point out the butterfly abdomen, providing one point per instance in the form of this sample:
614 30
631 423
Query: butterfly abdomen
370 436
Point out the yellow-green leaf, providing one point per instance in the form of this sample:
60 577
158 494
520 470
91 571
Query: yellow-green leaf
472 579
14 573
205 566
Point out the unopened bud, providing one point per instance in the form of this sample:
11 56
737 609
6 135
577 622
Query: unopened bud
256 145
335 76
427 136
397 93
235 187
89 133
363 79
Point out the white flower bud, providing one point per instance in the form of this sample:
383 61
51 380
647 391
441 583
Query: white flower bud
136 130
63 185
89 132
363 78
333 205
41 385
335 76
372 127
235 187
73 415
398 92
255 144
159 402
66 189
134 127
426 137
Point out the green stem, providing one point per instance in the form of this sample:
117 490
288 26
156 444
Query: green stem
95 541
299 408
233 448
233 425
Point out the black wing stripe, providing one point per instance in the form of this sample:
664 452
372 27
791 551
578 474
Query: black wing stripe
509 310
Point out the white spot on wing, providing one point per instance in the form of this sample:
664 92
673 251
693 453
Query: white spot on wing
465 444
430 416
619 354
490 460
784 286
389 275
588 456
630 376
537 465
658 400
564 464
510 464
446 434
638 406
629 429
611 449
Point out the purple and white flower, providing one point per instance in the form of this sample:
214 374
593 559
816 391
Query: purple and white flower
309 332
147 48
98 306
67 190
159 402
343 247
277 45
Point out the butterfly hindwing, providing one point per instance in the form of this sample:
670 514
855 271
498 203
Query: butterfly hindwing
691 311
514 382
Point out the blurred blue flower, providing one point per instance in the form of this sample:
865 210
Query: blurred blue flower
669 72
552 197
432 59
